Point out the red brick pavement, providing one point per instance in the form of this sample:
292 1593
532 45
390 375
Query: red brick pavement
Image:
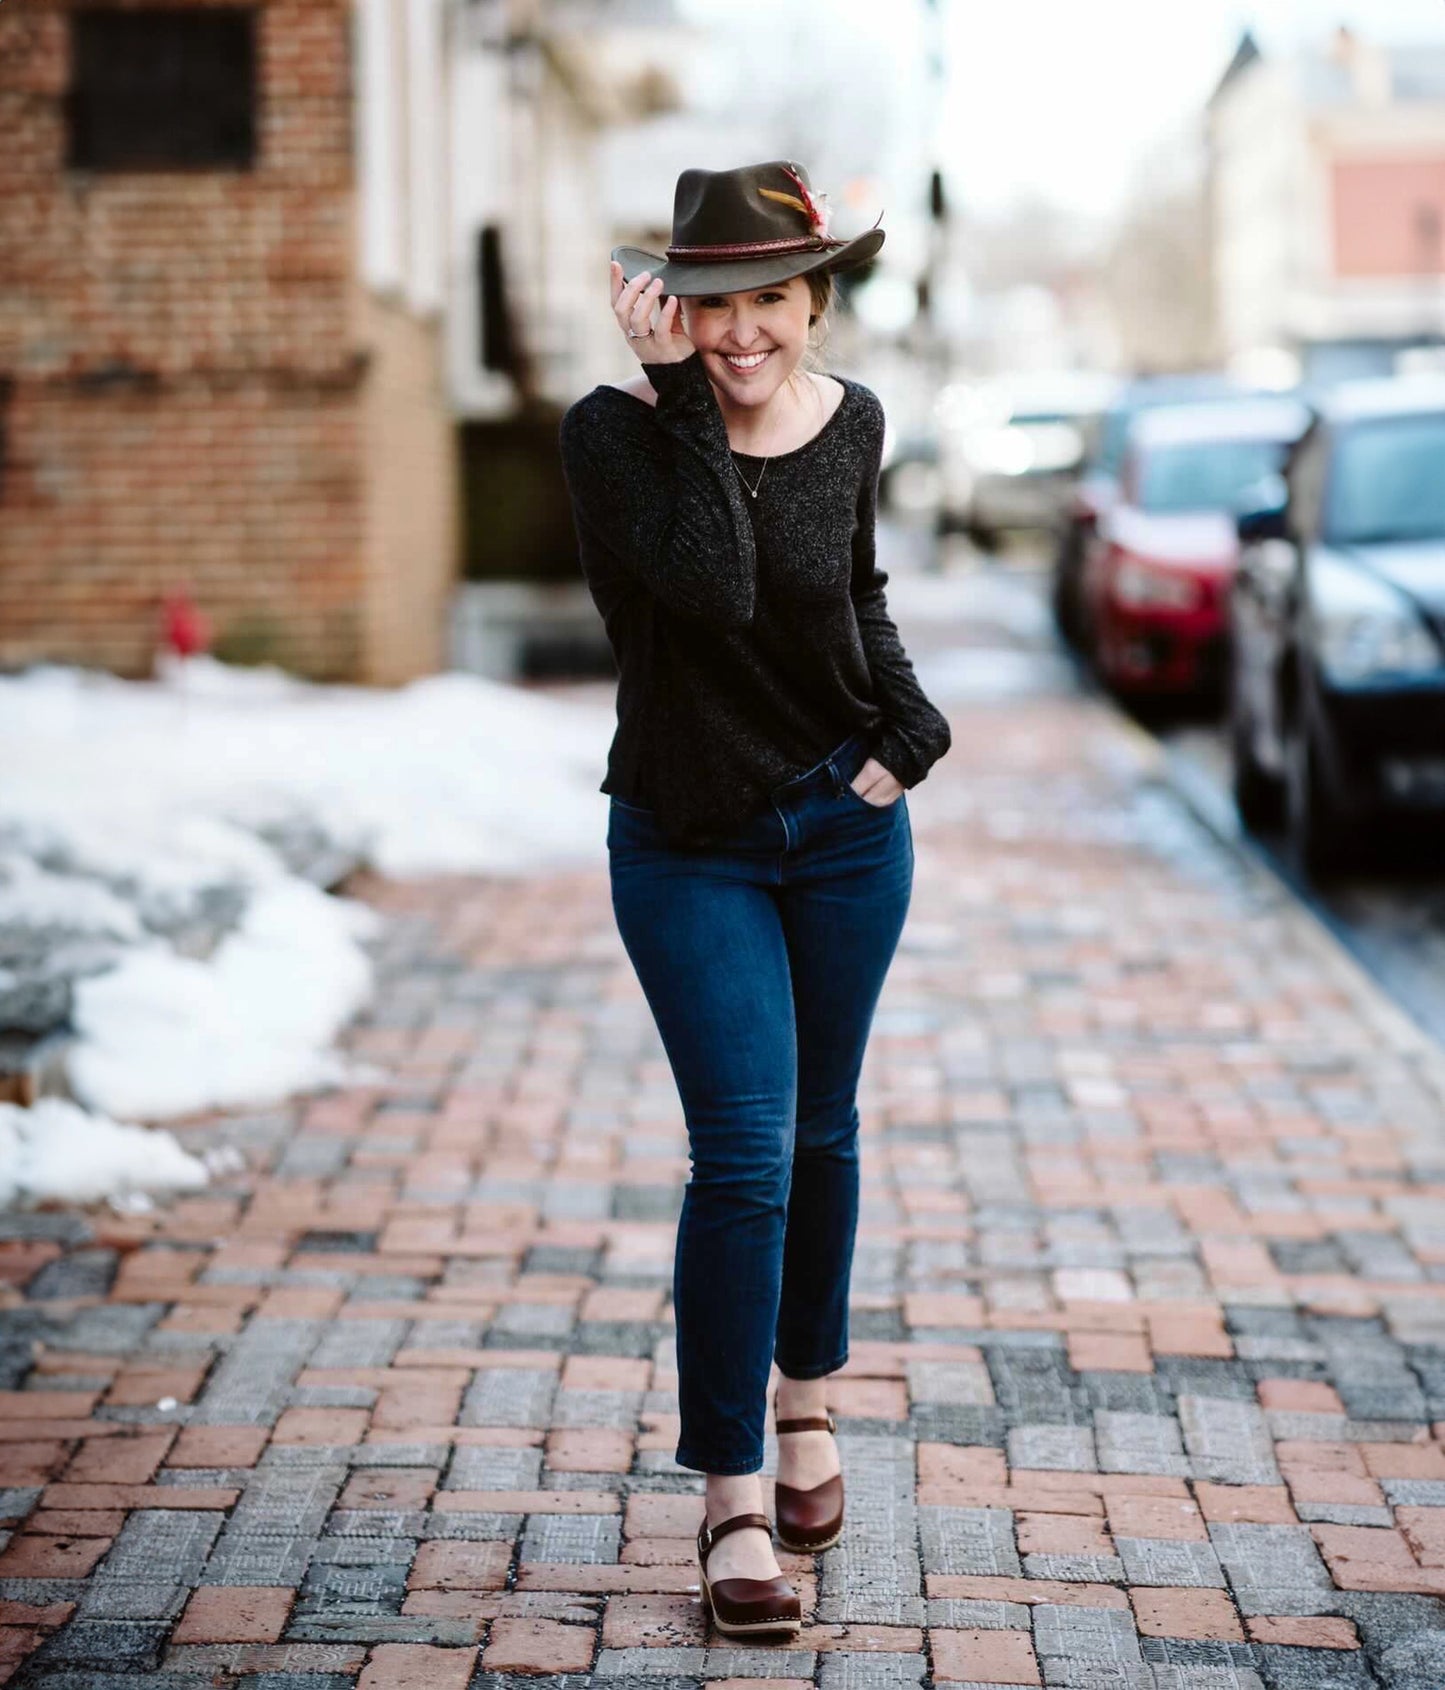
1147 1383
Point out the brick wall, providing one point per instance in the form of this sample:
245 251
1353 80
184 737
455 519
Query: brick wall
250 497
190 378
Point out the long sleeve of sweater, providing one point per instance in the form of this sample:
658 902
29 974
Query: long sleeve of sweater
751 635
661 497
914 734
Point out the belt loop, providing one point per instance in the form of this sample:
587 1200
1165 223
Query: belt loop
837 778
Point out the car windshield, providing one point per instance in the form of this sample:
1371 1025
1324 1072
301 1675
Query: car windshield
1206 475
1113 438
1112 431
1388 482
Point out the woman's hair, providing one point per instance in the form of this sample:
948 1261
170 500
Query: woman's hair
820 297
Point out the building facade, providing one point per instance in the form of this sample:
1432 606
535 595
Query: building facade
211 384
1327 189
538 87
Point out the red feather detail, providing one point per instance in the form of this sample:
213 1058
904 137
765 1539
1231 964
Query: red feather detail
815 217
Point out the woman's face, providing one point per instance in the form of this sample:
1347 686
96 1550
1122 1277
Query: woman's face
771 320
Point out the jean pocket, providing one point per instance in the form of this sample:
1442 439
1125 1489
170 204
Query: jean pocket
867 803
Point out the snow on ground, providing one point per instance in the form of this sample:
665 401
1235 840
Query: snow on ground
55 1151
454 773
250 1023
146 896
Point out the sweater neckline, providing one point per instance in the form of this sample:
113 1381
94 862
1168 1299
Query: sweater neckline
778 457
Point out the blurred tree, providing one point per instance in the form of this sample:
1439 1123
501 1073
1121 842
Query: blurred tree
1157 276
1032 241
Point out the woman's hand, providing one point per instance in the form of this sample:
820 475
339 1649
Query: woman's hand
878 786
632 304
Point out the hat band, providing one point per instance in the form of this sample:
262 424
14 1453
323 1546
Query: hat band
755 249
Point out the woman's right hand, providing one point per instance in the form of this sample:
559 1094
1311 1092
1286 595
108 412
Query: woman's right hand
632 304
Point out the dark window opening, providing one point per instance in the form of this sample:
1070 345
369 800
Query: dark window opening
502 347
517 519
163 90
497 340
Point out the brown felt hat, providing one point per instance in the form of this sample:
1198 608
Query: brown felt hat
744 228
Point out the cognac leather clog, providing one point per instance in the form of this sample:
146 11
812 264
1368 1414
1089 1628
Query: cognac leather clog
809 1520
743 1607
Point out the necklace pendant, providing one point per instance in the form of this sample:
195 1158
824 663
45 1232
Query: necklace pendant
750 490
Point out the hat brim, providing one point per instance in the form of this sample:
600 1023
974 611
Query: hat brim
737 275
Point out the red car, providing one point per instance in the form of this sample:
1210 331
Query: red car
1157 573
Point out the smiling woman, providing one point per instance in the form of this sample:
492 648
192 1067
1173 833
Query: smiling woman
762 342
746 339
759 843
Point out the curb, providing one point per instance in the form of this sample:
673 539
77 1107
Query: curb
1215 811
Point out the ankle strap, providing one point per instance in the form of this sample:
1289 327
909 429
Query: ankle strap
808 1423
708 1535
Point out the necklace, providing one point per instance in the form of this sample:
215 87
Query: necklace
753 491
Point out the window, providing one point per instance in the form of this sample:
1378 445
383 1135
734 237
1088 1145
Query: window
1389 483
163 90
498 336
1206 475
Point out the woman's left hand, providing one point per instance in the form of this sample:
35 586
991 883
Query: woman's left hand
874 783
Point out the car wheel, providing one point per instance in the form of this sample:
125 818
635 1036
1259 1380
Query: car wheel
984 537
1258 795
1322 841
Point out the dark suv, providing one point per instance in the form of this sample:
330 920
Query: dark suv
1337 685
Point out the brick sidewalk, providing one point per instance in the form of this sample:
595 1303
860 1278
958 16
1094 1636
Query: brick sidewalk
1147 1384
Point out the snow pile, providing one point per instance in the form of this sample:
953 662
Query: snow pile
193 969
162 1034
55 1151
454 773
34 899
162 848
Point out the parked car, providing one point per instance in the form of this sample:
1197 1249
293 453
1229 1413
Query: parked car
908 478
1094 493
1010 448
1337 691
1157 573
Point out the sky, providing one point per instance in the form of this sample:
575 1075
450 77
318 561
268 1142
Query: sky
1069 101
1048 99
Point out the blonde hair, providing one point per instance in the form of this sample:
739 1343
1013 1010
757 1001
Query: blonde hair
820 298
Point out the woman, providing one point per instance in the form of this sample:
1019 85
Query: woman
760 851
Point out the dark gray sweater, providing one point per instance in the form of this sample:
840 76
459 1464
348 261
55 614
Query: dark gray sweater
751 636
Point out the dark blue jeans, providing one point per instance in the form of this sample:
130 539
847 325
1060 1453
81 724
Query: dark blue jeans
762 960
